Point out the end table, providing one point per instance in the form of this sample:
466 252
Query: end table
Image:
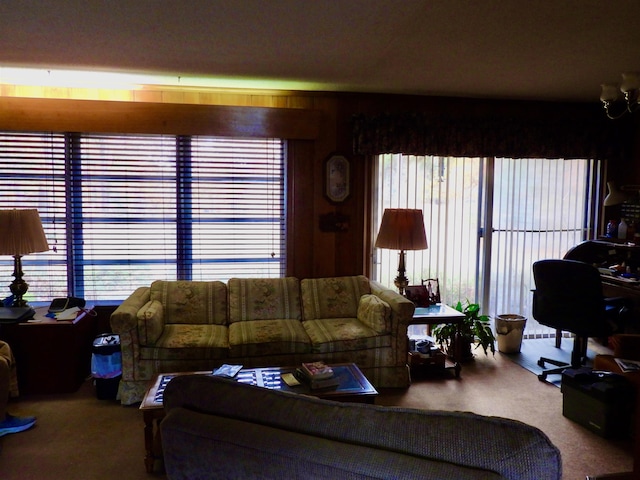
435 315
52 356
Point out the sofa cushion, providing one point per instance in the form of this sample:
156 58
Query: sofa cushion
333 297
375 313
267 337
150 322
190 342
191 302
342 335
264 299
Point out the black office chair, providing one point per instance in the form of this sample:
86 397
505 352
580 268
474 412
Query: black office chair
568 296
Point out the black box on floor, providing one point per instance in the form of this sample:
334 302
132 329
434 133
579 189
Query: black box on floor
600 401
107 388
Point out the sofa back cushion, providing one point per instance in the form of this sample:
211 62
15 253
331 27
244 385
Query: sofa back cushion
508 447
191 302
264 299
333 297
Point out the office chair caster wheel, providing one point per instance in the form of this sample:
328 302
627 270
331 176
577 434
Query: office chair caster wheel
541 363
542 377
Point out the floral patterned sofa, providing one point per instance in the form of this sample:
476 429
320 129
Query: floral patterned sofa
178 326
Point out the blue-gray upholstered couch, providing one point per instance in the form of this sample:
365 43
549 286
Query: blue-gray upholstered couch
219 429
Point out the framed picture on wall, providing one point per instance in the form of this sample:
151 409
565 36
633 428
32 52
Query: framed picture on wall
337 178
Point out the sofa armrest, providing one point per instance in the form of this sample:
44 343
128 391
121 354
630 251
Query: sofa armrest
125 318
401 314
150 322
124 322
402 309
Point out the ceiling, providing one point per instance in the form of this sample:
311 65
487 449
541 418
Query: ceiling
517 49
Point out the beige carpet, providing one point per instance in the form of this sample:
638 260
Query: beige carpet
80 437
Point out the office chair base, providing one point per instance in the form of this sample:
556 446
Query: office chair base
560 367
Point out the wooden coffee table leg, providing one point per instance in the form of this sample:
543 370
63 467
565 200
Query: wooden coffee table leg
150 416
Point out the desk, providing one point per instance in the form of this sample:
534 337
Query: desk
435 315
604 253
612 287
51 356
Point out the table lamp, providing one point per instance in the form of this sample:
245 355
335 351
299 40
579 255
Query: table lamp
402 229
22 233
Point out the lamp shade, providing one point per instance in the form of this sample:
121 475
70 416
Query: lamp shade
615 195
22 232
402 229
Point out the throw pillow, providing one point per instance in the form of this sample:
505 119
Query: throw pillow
375 313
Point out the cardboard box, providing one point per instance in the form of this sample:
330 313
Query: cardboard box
600 401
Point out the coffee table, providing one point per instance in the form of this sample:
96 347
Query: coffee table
353 387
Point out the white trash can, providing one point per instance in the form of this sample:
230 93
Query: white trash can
510 328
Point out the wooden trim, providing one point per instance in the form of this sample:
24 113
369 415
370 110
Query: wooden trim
34 114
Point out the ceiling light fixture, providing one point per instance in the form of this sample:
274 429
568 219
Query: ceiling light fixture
610 95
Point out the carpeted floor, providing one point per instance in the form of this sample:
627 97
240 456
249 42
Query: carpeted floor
78 437
533 349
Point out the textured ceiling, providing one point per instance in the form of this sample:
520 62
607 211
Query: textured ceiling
523 49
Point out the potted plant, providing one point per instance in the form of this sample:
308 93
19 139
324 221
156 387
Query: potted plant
474 328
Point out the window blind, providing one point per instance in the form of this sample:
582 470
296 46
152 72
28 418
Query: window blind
32 167
124 210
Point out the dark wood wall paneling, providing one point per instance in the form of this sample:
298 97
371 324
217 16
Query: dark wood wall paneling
314 133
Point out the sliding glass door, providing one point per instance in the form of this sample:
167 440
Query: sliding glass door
487 220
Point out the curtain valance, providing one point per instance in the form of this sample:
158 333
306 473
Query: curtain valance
419 134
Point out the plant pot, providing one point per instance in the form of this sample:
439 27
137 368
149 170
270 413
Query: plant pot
460 347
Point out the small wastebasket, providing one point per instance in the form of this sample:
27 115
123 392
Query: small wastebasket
509 328
106 365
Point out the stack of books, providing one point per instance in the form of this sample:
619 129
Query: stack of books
317 375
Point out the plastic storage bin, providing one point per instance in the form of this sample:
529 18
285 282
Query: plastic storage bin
106 365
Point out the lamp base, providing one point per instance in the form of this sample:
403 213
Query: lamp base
401 281
18 287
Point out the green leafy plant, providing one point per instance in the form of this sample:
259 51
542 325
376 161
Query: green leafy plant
475 328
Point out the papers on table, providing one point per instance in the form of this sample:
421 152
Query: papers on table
628 365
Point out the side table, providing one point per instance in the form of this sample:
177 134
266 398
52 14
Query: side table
435 315
52 356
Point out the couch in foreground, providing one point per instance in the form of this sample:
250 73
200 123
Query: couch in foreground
219 429
182 326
